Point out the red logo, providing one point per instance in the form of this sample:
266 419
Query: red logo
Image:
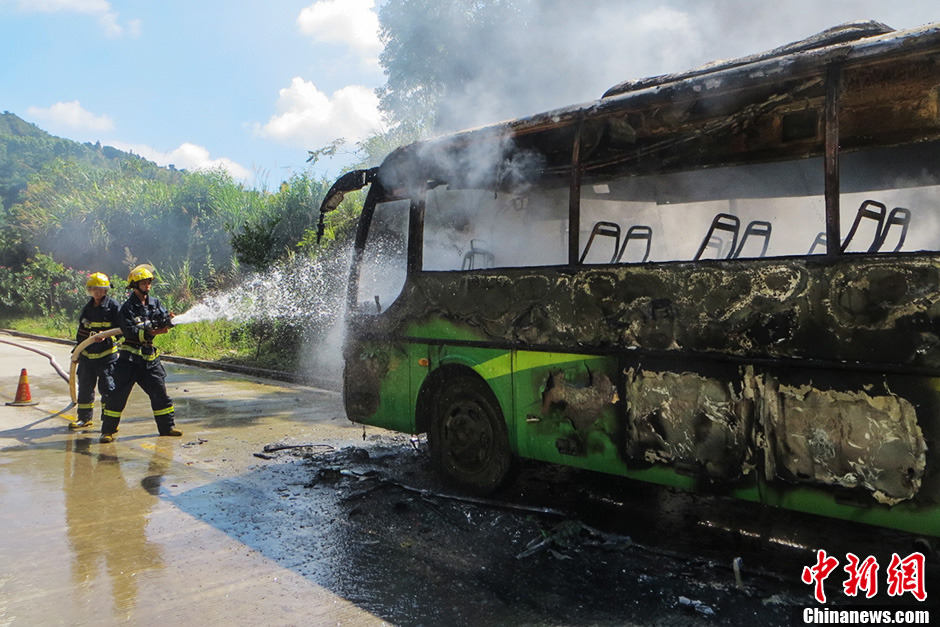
903 575
907 575
817 574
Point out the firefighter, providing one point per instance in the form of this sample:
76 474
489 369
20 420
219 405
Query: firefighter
95 363
142 318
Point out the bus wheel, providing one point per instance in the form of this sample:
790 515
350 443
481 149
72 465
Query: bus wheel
467 437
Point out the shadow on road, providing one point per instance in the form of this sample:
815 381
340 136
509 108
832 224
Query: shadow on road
371 525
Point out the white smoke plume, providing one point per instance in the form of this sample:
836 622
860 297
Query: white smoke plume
572 52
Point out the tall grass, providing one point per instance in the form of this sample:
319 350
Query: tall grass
243 343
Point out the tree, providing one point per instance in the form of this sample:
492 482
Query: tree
435 48
84 214
285 221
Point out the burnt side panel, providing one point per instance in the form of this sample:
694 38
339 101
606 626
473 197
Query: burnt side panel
733 335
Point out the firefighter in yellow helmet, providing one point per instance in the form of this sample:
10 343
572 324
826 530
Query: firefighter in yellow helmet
96 363
142 317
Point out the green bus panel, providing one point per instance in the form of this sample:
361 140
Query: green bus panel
908 516
584 434
396 404
579 409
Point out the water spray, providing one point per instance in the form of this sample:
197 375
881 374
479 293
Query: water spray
198 313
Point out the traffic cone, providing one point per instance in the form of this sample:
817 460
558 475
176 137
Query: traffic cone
23 397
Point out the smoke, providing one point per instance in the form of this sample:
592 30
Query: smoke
559 53
554 54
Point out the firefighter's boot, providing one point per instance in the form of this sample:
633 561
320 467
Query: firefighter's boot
109 427
82 423
83 417
166 426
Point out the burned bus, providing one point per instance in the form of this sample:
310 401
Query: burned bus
723 279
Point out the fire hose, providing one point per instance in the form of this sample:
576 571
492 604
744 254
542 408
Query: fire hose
51 359
76 353
55 366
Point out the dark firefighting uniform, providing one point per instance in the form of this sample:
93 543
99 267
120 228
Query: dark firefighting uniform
139 362
96 362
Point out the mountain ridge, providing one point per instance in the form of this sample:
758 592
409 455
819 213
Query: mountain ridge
25 149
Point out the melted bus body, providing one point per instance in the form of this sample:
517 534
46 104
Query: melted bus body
726 278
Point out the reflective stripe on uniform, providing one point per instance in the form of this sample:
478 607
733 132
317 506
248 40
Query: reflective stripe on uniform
139 353
99 325
110 351
86 405
111 414
164 412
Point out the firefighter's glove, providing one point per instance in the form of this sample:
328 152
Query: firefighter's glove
143 325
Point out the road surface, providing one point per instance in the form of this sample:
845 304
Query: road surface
273 509
97 534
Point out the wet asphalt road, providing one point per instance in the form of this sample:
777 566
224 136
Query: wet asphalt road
336 524
100 534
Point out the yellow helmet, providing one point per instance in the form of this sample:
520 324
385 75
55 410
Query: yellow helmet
141 272
98 279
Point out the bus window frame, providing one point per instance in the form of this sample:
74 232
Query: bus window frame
831 75
831 160
377 194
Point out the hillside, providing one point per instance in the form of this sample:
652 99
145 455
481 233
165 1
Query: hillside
92 206
25 149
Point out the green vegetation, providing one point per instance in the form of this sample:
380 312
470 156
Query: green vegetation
248 344
70 209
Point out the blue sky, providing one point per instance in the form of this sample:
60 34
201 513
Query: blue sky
249 84
252 85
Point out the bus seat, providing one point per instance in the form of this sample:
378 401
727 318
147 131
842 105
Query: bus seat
760 228
899 216
638 232
475 255
819 241
721 222
603 229
863 212
714 242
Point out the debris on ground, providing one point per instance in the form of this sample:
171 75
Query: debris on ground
698 606
270 448
299 449
566 534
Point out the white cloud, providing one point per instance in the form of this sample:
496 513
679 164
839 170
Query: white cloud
109 22
101 9
309 118
187 156
353 23
71 115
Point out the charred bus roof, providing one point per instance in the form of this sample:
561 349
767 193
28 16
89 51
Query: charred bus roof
844 33
762 107
847 45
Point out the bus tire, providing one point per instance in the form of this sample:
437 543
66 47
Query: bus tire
467 437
